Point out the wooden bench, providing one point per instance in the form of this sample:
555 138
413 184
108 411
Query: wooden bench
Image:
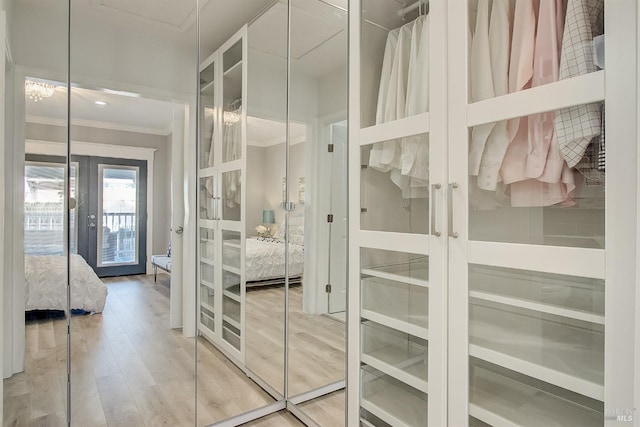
162 262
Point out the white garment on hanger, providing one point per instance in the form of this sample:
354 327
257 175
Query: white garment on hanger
481 83
415 149
383 92
397 95
232 144
209 127
500 45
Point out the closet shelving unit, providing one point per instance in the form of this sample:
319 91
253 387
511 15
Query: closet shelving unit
222 193
396 263
528 311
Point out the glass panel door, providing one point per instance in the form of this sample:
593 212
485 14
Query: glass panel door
232 191
530 241
400 250
118 209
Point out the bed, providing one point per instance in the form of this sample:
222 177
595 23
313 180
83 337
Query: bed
45 284
264 261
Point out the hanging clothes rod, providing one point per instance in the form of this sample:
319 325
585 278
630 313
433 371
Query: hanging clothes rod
412 7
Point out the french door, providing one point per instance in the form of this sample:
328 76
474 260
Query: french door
112 215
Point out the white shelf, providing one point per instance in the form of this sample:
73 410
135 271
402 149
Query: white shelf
231 269
394 405
207 284
234 70
504 402
231 295
207 223
207 261
536 306
580 90
231 321
366 423
408 126
231 244
205 240
560 354
399 325
207 172
399 274
207 306
406 371
207 86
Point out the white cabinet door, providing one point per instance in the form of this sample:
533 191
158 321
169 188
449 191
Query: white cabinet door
532 268
396 241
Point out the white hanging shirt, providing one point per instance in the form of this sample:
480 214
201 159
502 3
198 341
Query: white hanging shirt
481 83
499 49
383 92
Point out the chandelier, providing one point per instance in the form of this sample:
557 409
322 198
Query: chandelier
38 90
231 117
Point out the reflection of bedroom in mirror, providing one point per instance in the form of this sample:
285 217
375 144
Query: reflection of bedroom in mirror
123 173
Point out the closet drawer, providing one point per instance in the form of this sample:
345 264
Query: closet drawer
206 295
565 352
207 244
398 305
206 273
498 396
207 319
393 401
573 297
231 249
397 354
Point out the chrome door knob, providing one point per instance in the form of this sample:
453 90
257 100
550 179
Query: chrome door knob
179 230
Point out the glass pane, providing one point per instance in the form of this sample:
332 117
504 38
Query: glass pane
395 185
232 104
44 209
207 133
536 338
394 316
206 199
119 216
525 190
394 62
576 47
231 195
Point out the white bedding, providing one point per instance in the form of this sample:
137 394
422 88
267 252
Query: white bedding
45 284
265 259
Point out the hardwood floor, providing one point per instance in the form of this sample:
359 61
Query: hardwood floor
130 369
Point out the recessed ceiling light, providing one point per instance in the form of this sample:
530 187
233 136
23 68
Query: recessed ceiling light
99 102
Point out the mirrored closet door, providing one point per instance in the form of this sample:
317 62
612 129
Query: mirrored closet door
272 126
37 182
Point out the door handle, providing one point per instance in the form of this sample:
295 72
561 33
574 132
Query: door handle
92 225
179 230
434 208
452 232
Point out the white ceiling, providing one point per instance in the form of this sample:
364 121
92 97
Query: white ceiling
121 112
318 47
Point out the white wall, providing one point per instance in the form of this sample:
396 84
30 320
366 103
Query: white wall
162 167
256 168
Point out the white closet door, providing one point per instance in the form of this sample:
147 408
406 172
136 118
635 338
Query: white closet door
537 265
232 186
397 259
208 196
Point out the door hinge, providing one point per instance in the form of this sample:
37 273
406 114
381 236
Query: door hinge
328 288
330 148
330 218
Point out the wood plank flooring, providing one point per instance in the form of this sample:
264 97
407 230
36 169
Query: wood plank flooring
130 369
